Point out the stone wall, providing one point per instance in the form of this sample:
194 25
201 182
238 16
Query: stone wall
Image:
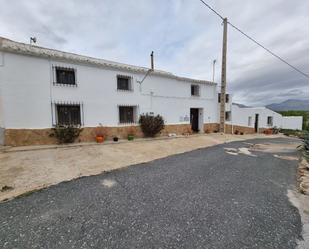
2 136
240 129
21 137
211 128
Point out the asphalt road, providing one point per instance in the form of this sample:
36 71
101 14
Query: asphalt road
201 199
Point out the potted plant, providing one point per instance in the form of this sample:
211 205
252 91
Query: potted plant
100 133
131 134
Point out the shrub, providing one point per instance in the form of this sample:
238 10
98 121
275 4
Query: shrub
151 125
66 134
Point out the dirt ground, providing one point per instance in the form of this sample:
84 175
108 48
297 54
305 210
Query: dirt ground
24 169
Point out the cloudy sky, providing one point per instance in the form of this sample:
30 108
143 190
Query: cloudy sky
185 36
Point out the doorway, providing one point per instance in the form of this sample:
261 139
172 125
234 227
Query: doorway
256 124
194 119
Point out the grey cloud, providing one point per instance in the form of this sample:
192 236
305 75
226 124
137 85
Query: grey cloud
185 36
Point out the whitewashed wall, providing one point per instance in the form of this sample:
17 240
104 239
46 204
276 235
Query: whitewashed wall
28 91
240 117
292 122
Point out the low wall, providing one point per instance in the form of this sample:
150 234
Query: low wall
21 137
292 122
229 129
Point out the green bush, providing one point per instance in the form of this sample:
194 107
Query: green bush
151 125
66 134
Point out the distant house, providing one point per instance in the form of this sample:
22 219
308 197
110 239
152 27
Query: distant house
257 119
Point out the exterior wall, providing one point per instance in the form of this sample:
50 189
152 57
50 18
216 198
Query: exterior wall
293 123
28 94
240 117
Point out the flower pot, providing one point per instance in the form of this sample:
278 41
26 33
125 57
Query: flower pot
99 139
115 139
130 137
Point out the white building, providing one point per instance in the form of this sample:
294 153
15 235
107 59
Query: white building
41 87
260 118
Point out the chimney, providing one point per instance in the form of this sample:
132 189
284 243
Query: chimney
152 62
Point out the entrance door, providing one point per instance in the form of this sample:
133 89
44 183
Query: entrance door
256 124
194 113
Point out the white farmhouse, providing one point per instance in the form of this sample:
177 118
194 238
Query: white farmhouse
257 119
41 88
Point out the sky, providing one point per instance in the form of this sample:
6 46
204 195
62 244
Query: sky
185 36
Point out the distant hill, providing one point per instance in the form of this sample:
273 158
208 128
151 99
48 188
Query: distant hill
290 105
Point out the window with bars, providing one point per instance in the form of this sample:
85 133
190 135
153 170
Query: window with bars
68 114
65 76
195 90
124 83
127 114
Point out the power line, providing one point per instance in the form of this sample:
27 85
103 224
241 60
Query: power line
209 7
256 42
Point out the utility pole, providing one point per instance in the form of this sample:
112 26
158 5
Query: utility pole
223 78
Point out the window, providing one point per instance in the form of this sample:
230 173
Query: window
228 116
124 83
65 76
269 120
127 114
195 90
227 98
249 121
68 114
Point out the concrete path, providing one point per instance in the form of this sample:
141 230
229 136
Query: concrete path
27 168
207 198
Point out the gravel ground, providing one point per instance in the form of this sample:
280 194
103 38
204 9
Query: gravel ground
206 198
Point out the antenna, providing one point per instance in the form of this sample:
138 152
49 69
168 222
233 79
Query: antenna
33 40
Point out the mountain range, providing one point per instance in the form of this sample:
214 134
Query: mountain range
290 105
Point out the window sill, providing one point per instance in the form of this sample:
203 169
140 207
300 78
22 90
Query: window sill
123 90
64 85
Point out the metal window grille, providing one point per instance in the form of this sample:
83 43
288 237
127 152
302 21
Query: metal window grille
65 76
124 83
67 113
127 114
